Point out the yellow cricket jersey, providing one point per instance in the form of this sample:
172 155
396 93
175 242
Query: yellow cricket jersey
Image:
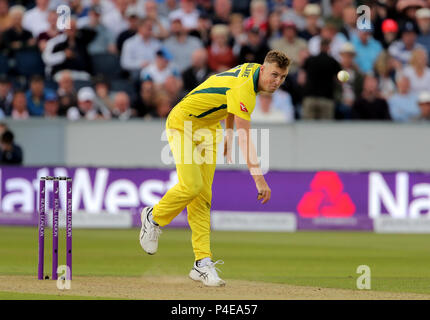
231 91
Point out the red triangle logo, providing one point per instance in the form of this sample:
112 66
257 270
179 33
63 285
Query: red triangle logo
326 198
243 108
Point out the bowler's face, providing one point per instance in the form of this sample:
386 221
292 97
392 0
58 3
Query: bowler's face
271 77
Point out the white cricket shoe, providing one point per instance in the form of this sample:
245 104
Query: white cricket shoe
207 274
149 232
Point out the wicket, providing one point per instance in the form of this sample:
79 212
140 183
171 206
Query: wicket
55 212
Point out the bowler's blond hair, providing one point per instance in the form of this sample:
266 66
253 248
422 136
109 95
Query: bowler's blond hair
278 57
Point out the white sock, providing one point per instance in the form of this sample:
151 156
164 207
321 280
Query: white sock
203 262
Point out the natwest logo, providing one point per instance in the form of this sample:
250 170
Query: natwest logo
326 198
400 200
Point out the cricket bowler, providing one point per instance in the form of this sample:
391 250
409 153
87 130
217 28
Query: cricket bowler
193 131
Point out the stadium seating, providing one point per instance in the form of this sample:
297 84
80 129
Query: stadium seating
29 62
106 64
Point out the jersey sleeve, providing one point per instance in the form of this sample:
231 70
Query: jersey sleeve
240 103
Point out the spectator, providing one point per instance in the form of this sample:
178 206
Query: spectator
349 22
220 54
19 106
36 96
172 87
367 50
401 49
115 19
222 12
66 92
297 14
36 20
237 32
160 24
418 72
181 45
403 104
4 15
274 27
187 14
424 105
160 69
337 12
407 10
328 31
139 50
320 71
202 32
50 33
290 44
389 29
103 99
167 7
163 105
6 95
51 106
86 108
138 6
259 16
133 26
369 106
198 71
385 72
104 41
256 48
78 9
423 21
16 37
144 103
273 108
3 128
10 153
68 51
312 14
352 88
121 108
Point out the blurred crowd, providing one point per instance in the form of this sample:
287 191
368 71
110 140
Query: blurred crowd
123 59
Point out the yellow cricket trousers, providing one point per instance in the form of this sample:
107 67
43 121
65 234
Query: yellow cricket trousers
193 143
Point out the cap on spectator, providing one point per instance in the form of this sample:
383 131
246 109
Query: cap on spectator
86 94
131 12
403 4
147 77
347 47
389 25
289 24
312 9
164 53
423 13
424 97
51 96
408 27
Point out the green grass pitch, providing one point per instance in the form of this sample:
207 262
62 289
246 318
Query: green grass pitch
398 262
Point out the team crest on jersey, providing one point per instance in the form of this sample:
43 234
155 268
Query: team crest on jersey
242 107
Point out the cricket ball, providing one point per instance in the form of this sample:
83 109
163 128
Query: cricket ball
343 76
